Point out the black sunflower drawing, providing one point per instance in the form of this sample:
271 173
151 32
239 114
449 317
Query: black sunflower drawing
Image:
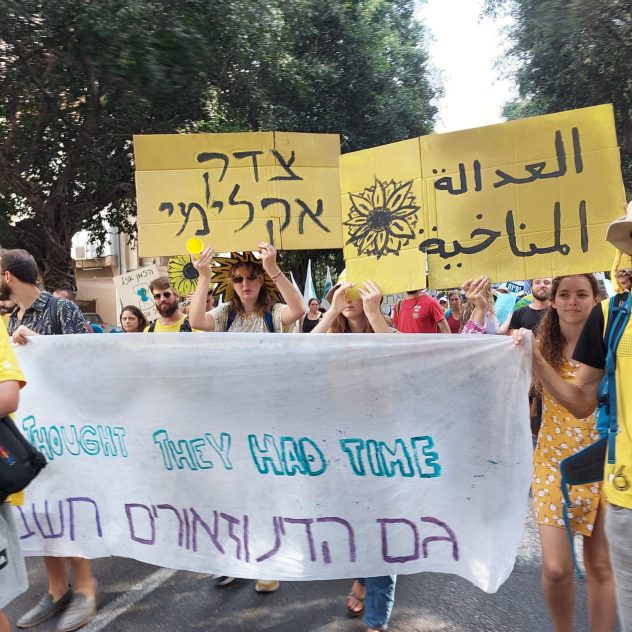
182 275
382 218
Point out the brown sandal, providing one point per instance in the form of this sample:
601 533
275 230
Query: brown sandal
351 611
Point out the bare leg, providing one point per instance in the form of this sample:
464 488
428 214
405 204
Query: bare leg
5 624
557 576
83 580
600 578
355 600
57 579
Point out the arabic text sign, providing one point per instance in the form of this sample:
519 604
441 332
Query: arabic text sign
133 289
388 481
522 199
235 190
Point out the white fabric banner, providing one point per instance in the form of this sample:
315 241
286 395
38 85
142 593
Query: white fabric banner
280 456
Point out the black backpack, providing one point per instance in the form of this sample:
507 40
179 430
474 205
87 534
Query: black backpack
185 326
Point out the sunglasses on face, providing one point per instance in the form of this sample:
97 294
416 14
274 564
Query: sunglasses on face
166 294
625 272
240 279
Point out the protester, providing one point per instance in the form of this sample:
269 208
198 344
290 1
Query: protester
310 320
453 315
70 295
580 399
167 300
443 301
529 316
562 434
477 294
132 319
624 277
251 289
371 596
419 313
39 313
484 293
13 579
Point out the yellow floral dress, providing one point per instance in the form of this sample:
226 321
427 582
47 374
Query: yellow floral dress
561 435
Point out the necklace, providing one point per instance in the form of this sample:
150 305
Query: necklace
412 307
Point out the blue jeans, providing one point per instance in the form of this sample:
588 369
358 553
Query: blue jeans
378 603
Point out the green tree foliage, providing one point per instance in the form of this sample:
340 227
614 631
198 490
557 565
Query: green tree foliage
572 54
78 79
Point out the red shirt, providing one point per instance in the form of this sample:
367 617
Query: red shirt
418 315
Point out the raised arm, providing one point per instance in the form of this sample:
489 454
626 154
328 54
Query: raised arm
371 301
338 303
294 307
198 316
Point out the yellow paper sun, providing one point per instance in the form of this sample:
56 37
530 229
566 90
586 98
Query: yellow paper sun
382 218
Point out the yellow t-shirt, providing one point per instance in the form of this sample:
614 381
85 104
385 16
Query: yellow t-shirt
10 370
160 328
618 476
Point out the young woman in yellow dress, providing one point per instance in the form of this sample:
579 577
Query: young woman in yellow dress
562 434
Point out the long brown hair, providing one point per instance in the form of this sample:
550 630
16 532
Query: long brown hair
466 312
548 331
264 300
341 326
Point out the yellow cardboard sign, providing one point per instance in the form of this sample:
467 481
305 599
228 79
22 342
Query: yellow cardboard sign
235 190
522 199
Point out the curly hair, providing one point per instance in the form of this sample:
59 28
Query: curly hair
264 300
548 331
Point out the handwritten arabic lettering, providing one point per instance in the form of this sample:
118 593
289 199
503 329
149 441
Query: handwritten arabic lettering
435 245
536 170
382 218
445 183
296 209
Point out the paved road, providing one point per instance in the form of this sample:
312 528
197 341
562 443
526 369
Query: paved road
140 597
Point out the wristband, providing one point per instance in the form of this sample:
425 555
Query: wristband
277 275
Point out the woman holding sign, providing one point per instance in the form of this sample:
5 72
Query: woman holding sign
561 435
252 289
372 597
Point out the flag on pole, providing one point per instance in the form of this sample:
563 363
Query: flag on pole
310 290
328 285
294 283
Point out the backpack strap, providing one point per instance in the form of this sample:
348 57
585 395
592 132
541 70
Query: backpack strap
397 308
267 318
618 318
185 325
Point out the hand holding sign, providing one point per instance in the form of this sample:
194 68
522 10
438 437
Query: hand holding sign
268 259
202 264
371 297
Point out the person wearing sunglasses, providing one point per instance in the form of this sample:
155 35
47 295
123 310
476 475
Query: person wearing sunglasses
253 292
171 319
252 289
624 277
